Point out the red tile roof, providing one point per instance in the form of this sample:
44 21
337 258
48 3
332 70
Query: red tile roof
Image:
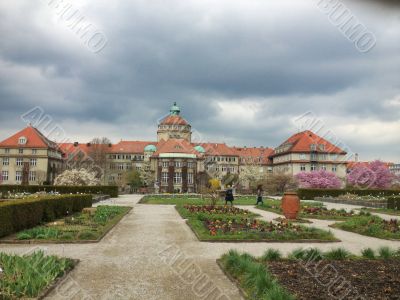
130 146
254 153
175 146
352 164
174 120
34 139
218 149
302 141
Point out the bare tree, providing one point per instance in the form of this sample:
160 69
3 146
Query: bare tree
98 149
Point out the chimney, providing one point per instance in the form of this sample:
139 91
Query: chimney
76 144
88 144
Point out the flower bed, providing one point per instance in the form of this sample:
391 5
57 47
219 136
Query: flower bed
326 214
90 225
371 226
216 209
29 275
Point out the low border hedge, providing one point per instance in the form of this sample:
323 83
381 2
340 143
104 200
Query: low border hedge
310 194
393 203
111 190
16 215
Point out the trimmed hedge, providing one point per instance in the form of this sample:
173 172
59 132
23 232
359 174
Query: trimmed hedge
62 189
310 194
393 203
16 215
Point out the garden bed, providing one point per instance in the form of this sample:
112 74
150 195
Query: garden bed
364 202
373 226
386 211
312 274
242 226
88 226
32 276
195 200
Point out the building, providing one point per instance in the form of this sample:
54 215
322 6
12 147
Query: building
306 151
28 157
395 169
171 163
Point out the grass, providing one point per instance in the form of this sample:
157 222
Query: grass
79 227
181 200
373 226
289 232
27 276
393 212
253 277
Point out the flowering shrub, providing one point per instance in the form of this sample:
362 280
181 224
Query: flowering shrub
77 178
213 209
323 211
318 179
233 226
393 225
349 196
372 175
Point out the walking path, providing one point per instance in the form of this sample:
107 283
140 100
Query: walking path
152 254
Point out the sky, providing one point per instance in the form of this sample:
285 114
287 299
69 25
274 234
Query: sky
244 72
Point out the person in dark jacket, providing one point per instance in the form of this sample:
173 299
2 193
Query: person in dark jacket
259 195
229 195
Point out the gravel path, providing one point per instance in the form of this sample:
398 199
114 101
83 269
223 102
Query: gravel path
152 254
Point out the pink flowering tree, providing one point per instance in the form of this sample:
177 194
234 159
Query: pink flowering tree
375 174
320 179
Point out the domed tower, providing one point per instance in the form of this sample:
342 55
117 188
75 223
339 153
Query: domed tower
174 126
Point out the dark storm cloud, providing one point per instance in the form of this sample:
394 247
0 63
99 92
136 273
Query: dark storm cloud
285 59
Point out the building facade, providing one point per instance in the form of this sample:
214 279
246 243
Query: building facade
173 161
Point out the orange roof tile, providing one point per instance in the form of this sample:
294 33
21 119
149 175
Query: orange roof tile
252 153
218 149
302 141
130 146
175 146
34 139
174 120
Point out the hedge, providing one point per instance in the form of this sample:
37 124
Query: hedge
309 194
62 189
16 215
393 203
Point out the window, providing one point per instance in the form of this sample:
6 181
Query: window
164 177
33 161
313 167
302 167
6 161
334 156
120 166
322 147
34 151
302 156
323 156
314 156
18 176
32 176
190 178
4 175
177 177
20 151
334 169
119 176
22 140
165 164
6 150
313 147
178 164
20 162
323 167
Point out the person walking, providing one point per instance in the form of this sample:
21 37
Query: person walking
229 195
259 195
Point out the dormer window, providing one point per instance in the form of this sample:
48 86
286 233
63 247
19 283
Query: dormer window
313 147
322 147
22 140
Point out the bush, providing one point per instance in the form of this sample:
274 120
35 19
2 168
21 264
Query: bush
393 203
101 189
16 215
310 194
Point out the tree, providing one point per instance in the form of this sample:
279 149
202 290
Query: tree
133 179
146 174
211 191
320 179
251 173
375 174
77 177
97 151
278 183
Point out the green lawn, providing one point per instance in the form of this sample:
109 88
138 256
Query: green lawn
181 200
243 226
27 276
373 226
78 227
386 211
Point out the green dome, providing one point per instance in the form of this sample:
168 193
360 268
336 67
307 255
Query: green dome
150 148
175 110
200 149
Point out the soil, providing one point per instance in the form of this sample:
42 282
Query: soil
347 279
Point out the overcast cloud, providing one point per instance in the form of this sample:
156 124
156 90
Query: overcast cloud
240 70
